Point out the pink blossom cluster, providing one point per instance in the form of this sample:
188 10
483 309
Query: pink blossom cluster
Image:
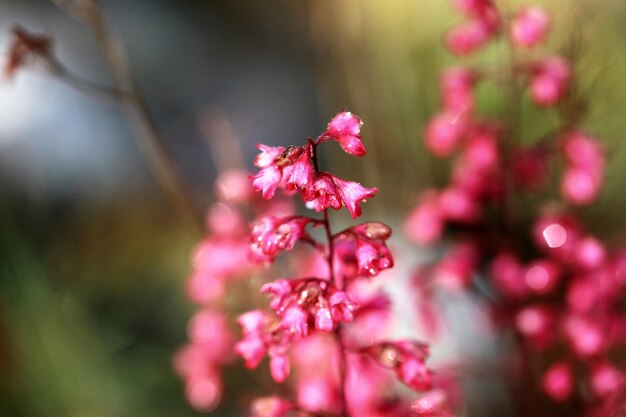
292 169
559 287
482 23
220 258
324 331
199 362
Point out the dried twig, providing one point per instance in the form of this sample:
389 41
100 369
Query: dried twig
148 138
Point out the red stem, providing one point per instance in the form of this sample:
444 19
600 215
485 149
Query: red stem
335 280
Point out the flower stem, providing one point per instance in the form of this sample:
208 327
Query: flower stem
340 286
342 349
331 250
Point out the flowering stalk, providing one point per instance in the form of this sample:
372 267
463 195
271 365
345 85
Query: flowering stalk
219 260
338 337
559 287
332 301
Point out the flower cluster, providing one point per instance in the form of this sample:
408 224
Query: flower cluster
482 23
407 358
300 301
219 259
559 287
292 169
271 235
327 317
198 363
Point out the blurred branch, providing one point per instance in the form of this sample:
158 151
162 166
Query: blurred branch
148 138
70 7
86 86
221 137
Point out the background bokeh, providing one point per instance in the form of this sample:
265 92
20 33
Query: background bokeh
92 255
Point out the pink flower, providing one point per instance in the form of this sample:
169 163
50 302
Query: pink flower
529 27
341 307
456 204
268 179
475 180
425 223
456 86
352 194
324 320
372 257
296 321
407 358
224 220
507 274
473 7
279 367
582 295
536 322
432 404
581 150
300 301
193 360
371 252
300 173
345 128
252 349
282 291
288 166
550 81
542 276
198 362
203 287
271 235
580 186
220 256
211 328
373 317
444 132
252 321
584 172
590 253
606 379
204 393
233 186
585 336
414 373
480 151
273 406
268 155
317 393
323 193
557 382
455 270
262 335
330 191
469 36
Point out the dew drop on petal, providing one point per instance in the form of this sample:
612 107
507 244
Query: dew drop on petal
555 235
388 357
376 230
